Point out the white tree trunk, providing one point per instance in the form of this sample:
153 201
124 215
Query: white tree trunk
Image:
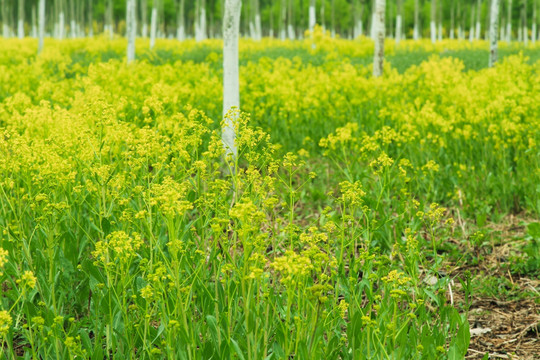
153 26
231 82
180 30
131 29
41 24
312 15
398 29
258 27
493 23
378 57
478 16
61 26
34 33
432 23
283 17
20 22
416 30
509 22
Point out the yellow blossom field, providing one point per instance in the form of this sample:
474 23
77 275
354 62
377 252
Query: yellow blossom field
348 231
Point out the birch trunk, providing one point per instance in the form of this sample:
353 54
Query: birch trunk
290 25
110 29
378 57
153 25
231 83
72 25
312 15
432 24
416 30
525 31
258 26
131 29
440 30
333 18
181 27
534 22
282 25
144 19
5 26
478 15
34 22
493 23
41 25
90 19
471 31
452 15
509 21
20 23
202 20
399 21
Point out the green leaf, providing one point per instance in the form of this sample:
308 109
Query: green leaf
237 349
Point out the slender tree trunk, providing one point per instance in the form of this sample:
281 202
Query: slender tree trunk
144 18
72 30
452 20
283 22
471 32
131 28
399 19
202 20
41 25
323 22
460 21
180 22
5 17
509 21
258 25
440 21
109 20
231 83
432 24
378 57
493 33
534 22
312 15
290 19
90 19
153 25
524 31
20 23
333 18
61 20
271 22
478 16
34 22
416 30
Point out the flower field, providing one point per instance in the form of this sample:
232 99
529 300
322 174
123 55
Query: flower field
123 236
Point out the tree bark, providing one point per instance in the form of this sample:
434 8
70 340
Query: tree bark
524 30
379 28
20 23
180 22
416 30
399 19
41 25
153 25
90 19
231 82
131 29
312 15
493 33
478 16
432 24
